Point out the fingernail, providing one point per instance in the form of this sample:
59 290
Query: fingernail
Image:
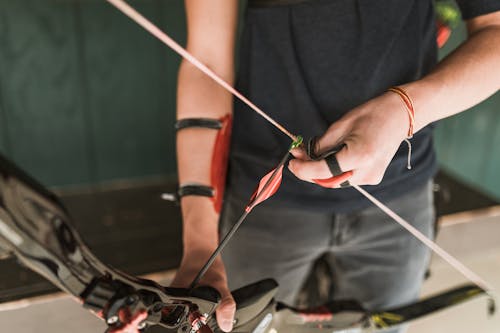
227 325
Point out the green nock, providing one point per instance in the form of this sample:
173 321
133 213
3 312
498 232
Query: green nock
448 13
297 143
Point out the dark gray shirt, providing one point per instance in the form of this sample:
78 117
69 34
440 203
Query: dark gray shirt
307 64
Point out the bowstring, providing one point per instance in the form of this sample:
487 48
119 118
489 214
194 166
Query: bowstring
133 14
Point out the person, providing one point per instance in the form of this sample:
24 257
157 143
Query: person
323 68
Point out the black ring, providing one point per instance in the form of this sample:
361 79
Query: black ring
273 3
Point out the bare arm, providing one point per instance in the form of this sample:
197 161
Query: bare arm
373 131
464 78
211 30
211 35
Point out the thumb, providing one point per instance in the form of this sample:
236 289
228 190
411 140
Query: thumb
225 312
299 153
309 170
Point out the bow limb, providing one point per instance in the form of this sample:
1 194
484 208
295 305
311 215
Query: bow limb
404 314
257 310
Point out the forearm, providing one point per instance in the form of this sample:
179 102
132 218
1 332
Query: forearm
211 27
463 79
199 97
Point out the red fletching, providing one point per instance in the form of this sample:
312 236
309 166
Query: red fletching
334 182
268 185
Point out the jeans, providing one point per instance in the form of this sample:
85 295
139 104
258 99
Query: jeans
373 259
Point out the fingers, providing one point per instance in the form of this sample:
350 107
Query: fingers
346 160
309 170
359 164
302 166
225 312
368 168
372 134
299 153
130 323
336 181
317 171
216 278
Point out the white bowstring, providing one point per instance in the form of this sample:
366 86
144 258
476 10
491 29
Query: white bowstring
162 36
469 274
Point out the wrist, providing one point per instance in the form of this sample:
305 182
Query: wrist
395 112
200 224
407 104
424 95
197 254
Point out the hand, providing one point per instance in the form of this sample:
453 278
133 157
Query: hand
131 323
371 132
215 277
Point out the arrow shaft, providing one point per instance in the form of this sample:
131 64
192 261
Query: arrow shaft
219 249
253 202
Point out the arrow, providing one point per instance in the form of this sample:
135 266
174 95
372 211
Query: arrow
268 185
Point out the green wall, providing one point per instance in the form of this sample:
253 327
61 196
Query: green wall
87 96
467 143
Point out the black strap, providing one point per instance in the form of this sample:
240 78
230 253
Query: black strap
191 189
194 189
272 3
329 156
311 148
333 165
198 122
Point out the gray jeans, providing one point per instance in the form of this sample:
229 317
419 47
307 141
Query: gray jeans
374 260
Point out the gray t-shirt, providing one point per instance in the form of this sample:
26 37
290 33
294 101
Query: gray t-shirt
307 64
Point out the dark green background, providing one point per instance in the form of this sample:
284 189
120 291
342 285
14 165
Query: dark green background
87 96
468 143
